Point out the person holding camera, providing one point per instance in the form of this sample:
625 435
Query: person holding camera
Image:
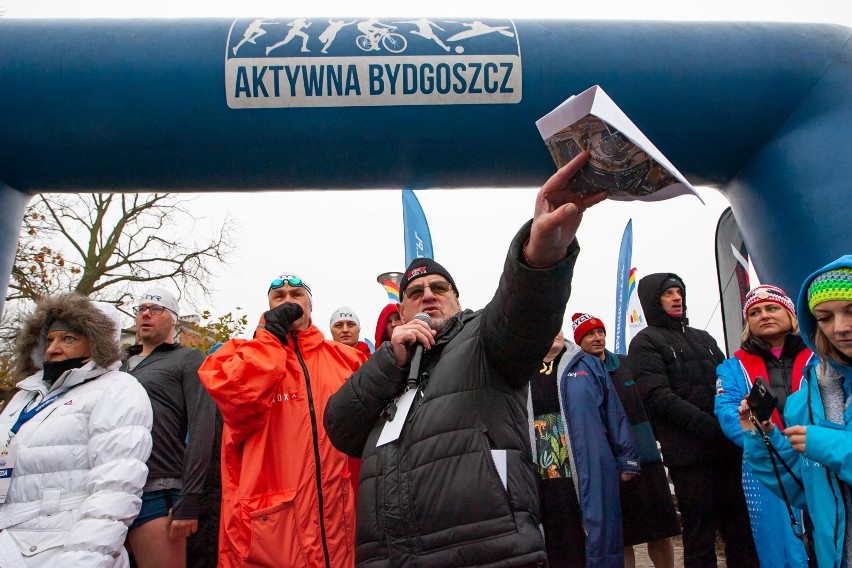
773 356
810 461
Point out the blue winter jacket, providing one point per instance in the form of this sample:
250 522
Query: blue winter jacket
827 460
770 521
600 447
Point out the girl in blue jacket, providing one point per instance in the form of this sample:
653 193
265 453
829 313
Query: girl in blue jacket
817 443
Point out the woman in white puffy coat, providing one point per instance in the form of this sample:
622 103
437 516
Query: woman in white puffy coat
80 434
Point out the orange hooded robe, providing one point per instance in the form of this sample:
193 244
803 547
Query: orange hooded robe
287 493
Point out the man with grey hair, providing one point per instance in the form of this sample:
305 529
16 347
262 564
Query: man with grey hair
183 433
438 414
287 495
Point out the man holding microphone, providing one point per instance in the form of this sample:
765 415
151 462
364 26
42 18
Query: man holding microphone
446 474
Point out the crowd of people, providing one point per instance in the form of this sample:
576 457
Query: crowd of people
458 438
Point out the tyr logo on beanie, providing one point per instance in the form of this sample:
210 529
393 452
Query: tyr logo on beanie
344 313
160 297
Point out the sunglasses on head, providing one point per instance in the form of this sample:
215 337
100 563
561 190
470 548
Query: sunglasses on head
290 280
439 288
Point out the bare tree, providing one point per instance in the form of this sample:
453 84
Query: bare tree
107 246
104 245
38 268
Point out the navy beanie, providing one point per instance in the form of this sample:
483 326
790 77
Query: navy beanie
421 267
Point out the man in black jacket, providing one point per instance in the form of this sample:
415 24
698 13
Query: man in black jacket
450 481
675 368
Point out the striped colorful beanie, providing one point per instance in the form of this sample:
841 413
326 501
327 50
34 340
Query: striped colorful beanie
832 285
768 293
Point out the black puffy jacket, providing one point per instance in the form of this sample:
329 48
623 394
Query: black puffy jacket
434 496
675 368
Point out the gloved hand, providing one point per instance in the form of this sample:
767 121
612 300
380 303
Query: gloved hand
279 319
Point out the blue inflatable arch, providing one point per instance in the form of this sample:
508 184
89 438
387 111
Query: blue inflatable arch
762 111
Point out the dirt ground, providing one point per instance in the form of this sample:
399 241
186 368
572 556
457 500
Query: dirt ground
642 560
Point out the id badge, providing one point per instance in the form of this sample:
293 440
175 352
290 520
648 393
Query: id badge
393 429
8 455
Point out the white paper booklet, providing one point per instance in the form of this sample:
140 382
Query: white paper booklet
622 160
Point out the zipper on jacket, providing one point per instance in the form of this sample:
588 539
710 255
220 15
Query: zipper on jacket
422 383
493 467
315 436
837 504
713 356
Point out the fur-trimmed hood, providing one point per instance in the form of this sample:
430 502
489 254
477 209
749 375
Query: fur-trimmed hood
99 322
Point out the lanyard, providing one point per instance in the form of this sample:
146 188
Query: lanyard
25 415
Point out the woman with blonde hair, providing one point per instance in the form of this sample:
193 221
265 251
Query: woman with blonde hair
772 350
816 445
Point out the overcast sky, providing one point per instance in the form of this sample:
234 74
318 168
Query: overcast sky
339 241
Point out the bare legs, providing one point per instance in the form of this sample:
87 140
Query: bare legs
152 547
661 553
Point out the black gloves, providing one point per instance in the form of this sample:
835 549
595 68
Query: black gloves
279 319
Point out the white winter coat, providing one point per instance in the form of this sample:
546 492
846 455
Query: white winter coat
80 469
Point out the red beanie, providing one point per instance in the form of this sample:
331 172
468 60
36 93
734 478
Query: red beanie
583 324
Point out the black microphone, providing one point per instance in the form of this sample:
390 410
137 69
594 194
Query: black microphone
414 369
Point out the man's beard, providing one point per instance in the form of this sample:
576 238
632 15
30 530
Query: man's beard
438 324
153 336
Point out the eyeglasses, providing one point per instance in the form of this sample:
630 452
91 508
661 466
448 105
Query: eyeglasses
439 288
289 279
154 309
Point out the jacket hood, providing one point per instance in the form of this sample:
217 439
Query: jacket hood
99 322
807 321
572 351
650 289
381 336
611 361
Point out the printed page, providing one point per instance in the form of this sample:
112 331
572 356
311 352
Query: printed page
623 161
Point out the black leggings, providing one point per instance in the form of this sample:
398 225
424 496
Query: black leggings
710 498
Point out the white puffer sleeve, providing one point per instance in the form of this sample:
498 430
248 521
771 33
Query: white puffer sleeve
119 446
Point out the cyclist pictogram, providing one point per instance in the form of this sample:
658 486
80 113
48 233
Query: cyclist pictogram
376 35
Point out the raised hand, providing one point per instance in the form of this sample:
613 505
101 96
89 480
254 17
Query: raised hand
278 320
558 212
